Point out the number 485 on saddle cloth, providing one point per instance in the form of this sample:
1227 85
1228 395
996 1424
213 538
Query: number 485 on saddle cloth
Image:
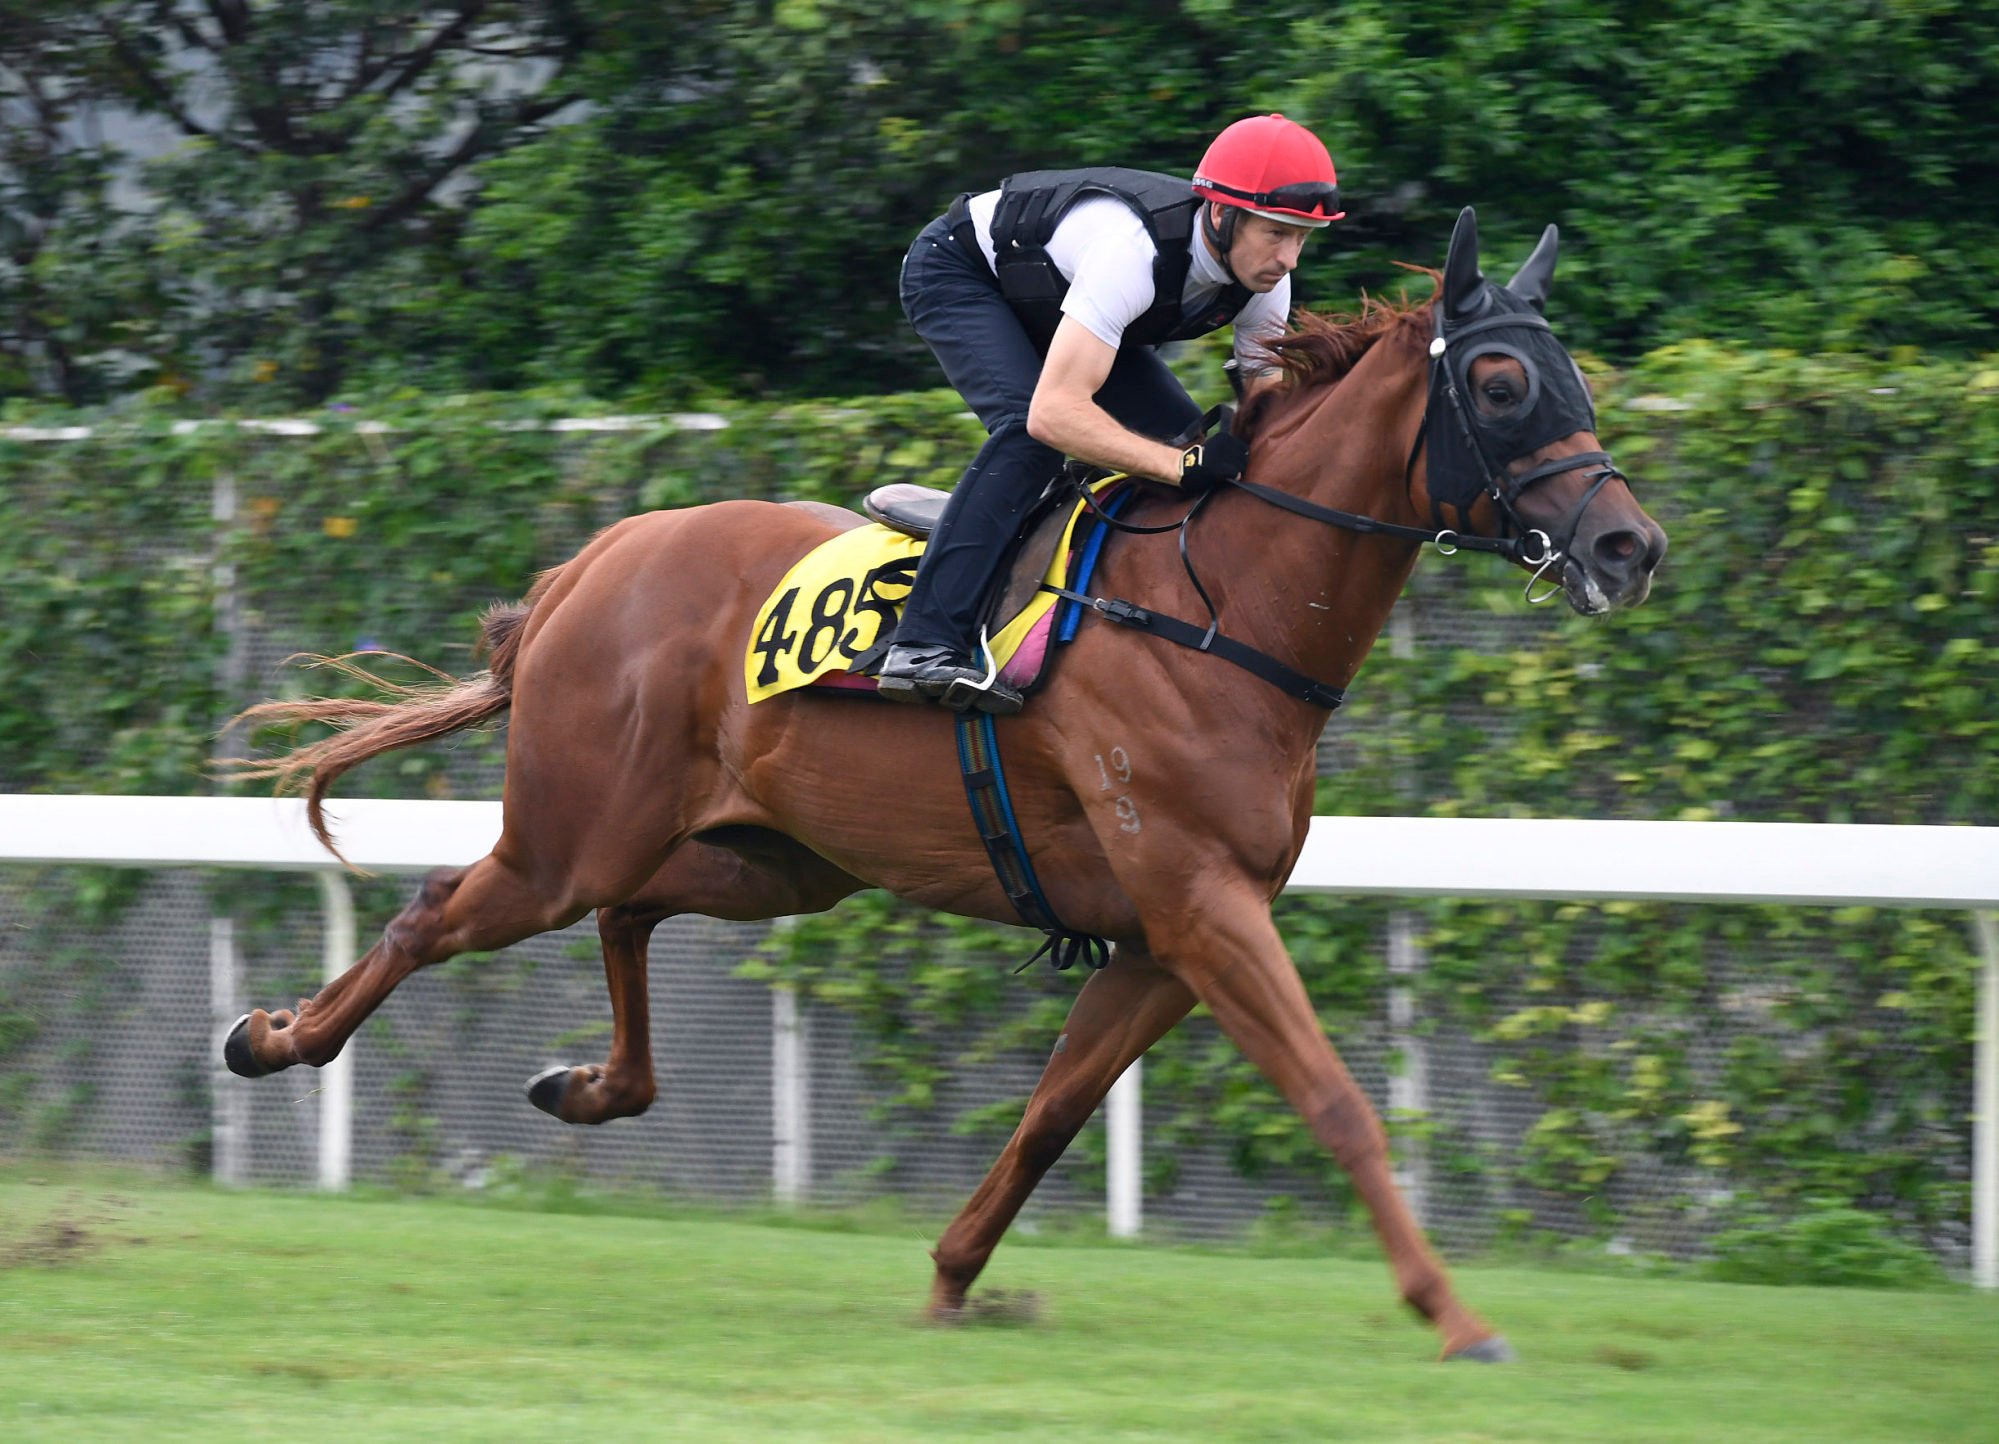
837 602
843 597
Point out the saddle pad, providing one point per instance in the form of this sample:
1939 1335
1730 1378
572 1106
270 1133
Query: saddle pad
843 597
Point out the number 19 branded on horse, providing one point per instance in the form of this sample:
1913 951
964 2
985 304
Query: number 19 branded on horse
644 782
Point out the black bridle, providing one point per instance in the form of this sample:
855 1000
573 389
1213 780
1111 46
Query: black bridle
1517 542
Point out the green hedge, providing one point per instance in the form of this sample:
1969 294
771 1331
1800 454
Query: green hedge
1821 645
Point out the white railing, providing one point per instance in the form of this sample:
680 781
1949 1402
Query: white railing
1732 862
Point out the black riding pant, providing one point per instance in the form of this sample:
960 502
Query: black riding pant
953 301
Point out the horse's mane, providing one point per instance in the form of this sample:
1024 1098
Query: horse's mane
1320 350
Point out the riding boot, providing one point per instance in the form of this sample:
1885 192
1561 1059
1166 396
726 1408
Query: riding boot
936 648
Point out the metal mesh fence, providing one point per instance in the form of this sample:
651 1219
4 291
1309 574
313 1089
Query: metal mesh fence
121 1064
110 982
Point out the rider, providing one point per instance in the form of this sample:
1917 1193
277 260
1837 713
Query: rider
1044 301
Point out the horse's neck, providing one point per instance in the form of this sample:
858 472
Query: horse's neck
1311 593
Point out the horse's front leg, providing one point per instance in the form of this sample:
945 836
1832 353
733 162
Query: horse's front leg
1226 949
1120 1012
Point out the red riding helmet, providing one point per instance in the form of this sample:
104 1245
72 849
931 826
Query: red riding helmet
1272 167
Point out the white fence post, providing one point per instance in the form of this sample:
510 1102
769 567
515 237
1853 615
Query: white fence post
229 1105
229 1110
1985 1114
1408 1085
790 1099
336 1079
1124 1153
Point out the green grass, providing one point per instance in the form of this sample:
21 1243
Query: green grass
151 1311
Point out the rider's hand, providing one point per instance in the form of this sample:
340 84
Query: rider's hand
1207 464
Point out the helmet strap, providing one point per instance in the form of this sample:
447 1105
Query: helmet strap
1221 236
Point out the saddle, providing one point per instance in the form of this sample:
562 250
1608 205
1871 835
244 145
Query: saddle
847 592
913 510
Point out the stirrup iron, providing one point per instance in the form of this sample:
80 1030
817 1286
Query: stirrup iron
964 696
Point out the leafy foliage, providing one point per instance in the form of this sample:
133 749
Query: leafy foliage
656 200
1769 172
296 206
1826 1244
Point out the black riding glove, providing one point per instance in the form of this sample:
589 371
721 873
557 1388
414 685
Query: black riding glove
1207 464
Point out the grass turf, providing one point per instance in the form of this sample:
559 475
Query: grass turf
165 1312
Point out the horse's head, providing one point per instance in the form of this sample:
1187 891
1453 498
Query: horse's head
1511 428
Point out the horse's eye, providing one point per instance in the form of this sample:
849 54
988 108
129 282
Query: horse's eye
1500 393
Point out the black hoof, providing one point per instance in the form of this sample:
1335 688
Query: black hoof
236 1051
1494 1350
546 1088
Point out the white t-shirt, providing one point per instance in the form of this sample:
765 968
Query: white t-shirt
1101 249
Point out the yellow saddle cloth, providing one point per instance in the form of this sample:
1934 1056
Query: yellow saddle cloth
842 598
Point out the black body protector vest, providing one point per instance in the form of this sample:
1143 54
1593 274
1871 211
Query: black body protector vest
1032 203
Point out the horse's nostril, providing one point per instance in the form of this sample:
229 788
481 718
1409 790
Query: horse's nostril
1615 549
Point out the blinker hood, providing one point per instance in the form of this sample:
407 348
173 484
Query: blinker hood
1469 449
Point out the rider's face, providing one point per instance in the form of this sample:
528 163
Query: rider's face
1265 251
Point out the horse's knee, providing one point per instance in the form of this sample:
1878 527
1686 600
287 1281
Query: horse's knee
1349 1127
1048 1130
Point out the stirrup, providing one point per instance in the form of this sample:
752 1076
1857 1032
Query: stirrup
988 694
992 696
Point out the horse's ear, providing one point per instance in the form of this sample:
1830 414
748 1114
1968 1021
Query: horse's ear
1532 282
1462 278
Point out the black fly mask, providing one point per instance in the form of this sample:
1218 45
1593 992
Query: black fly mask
1469 449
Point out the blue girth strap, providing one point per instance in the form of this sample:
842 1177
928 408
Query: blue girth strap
992 814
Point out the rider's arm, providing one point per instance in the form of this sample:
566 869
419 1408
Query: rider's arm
1064 413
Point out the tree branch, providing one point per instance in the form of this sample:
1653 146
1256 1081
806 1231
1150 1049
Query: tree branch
234 18
272 121
536 51
166 12
364 50
48 124
416 62
486 133
136 66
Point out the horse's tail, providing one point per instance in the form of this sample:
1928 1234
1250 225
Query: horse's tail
368 728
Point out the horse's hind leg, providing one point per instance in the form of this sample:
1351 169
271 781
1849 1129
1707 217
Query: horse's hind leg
488 905
1120 1012
622 1086
776 879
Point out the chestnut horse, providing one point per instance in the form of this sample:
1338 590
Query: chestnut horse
640 783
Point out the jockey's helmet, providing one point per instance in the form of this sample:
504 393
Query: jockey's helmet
1271 167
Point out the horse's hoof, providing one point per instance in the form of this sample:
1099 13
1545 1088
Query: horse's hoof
236 1051
1494 1350
546 1088
1003 1308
